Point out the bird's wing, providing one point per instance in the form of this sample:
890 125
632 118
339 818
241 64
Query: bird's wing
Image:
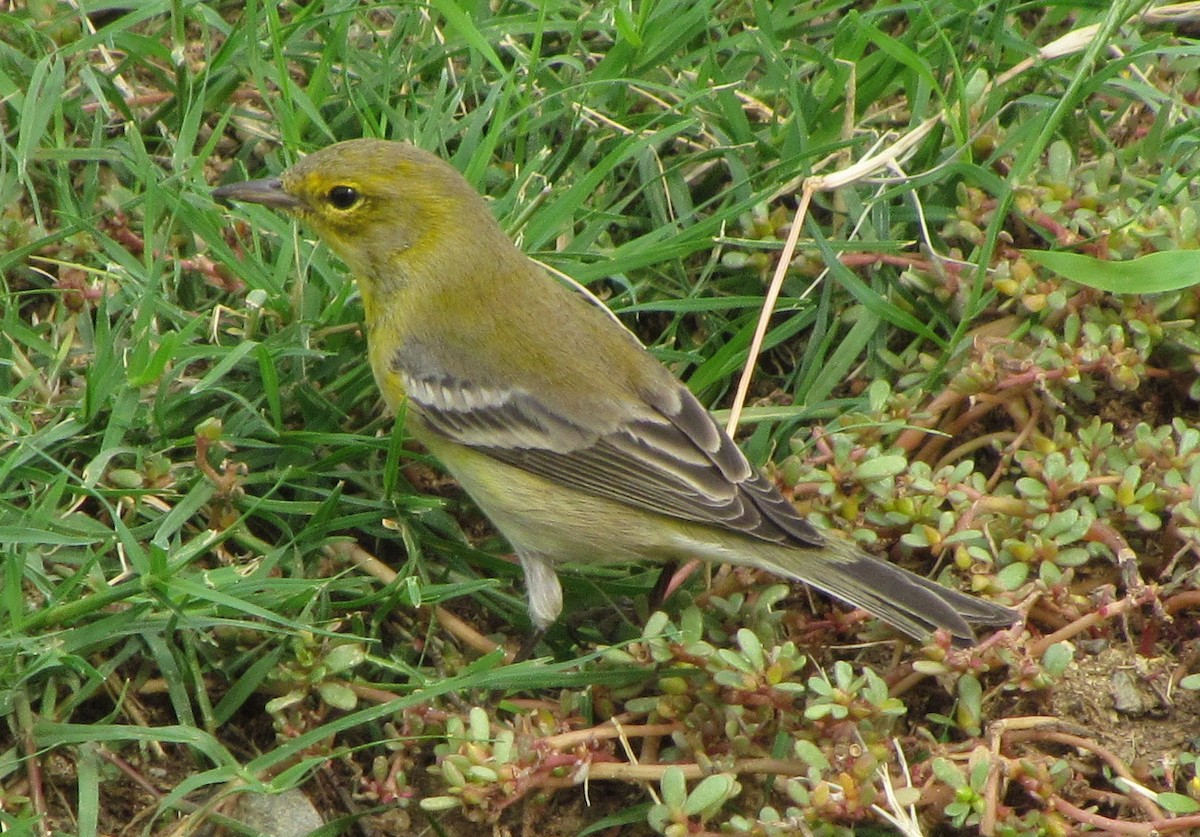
671 458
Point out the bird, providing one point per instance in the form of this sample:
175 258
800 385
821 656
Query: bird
576 443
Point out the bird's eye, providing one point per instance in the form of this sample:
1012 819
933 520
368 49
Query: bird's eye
343 197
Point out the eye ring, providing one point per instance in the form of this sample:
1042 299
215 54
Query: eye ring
343 197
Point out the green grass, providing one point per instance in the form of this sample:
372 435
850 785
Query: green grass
190 437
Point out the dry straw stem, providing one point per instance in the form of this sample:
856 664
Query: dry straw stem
621 772
1174 14
887 158
372 566
902 817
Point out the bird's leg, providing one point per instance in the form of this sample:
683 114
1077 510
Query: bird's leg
529 645
658 593
545 598
669 580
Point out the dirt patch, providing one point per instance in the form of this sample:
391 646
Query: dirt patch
1127 704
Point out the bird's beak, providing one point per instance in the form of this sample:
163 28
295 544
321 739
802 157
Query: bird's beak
268 192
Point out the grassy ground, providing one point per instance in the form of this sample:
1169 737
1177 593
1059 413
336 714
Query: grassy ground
226 571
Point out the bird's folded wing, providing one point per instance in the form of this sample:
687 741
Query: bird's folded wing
670 458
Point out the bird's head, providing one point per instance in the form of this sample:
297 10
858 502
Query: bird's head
376 203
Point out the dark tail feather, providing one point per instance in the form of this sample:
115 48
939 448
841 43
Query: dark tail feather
908 602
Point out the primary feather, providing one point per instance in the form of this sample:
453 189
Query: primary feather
674 461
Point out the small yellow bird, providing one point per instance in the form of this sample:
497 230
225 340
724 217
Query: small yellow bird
576 443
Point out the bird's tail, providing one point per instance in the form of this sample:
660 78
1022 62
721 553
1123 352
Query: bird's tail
908 602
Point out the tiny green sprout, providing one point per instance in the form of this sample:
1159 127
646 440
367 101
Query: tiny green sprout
436 804
810 754
1177 803
455 731
453 773
863 696
338 696
410 591
880 468
126 478
618 656
707 798
678 809
210 429
752 649
1057 658
878 393
969 709
674 789
342 658
481 773
480 724
656 625
969 800
691 625
277 705
1012 576
475 761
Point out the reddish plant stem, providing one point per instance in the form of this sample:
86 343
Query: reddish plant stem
1083 623
1151 810
1140 829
